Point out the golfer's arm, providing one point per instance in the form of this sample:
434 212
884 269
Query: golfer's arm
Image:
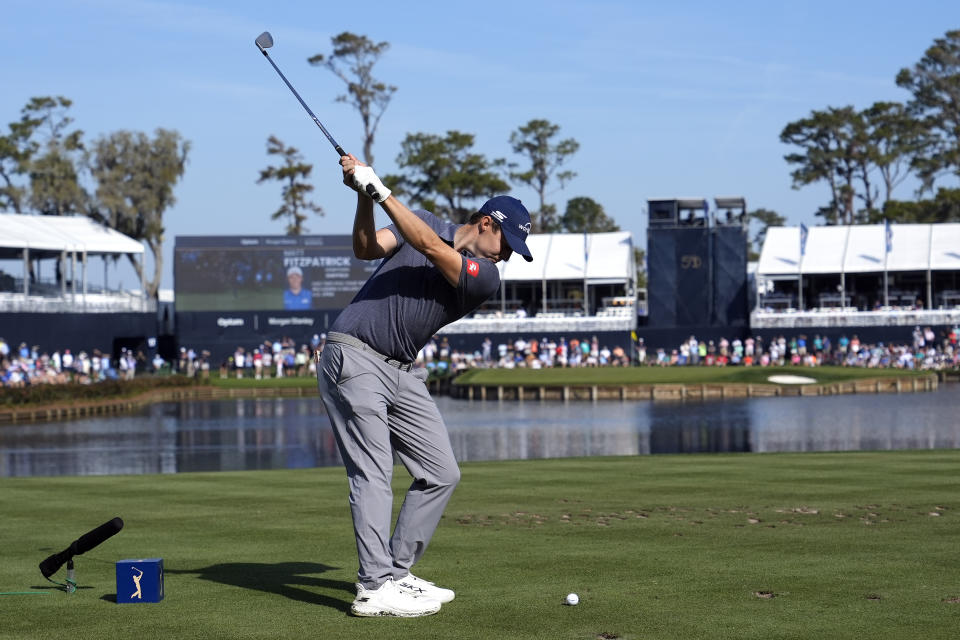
368 243
425 240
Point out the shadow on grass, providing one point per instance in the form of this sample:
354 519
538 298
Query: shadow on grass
283 578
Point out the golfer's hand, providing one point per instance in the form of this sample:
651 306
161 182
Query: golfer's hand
362 179
349 164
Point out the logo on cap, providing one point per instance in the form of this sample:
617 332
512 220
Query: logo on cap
525 227
498 215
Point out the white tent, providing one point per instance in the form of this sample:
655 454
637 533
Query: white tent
861 249
824 250
593 258
68 238
910 247
61 233
596 257
780 254
864 250
945 247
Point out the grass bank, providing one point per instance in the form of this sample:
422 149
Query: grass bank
615 376
670 375
263 383
842 545
55 394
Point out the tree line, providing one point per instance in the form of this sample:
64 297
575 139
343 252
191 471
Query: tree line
863 155
122 179
440 172
125 179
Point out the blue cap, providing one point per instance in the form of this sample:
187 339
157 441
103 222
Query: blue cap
514 221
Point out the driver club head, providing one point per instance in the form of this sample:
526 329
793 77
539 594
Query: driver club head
265 40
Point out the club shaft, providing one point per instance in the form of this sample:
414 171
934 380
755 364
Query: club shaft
336 146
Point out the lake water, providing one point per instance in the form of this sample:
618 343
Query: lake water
279 433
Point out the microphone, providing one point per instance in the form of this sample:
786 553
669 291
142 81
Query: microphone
82 544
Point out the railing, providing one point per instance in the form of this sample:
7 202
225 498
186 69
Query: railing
846 317
540 325
90 303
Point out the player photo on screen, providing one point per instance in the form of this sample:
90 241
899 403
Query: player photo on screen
266 273
296 296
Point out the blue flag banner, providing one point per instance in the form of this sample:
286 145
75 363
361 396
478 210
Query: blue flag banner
803 238
888 228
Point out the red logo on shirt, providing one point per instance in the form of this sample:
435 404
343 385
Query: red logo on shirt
473 268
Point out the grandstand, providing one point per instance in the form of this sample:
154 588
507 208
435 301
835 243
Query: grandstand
874 280
46 296
895 275
576 283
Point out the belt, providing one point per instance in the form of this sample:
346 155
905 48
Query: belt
343 338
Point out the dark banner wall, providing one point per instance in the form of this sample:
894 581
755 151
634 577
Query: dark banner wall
730 276
222 332
78 331
679 289
697 276
669 338
662 277
692 262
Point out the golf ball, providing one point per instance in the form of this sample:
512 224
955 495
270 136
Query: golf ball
572 599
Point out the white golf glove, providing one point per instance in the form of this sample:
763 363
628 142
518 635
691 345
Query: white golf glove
366 181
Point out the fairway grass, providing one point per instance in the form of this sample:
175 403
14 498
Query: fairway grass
849 545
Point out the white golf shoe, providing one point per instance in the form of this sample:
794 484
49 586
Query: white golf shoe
420 587
390 600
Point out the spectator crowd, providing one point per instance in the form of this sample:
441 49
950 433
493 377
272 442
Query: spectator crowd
27 365
927 350
274 359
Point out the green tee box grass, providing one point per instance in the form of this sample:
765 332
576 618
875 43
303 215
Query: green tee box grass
832 545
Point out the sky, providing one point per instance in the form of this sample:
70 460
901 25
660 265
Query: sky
680 99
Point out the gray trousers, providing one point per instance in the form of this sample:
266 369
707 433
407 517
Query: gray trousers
375 410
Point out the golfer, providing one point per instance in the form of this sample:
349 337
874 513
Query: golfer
433 272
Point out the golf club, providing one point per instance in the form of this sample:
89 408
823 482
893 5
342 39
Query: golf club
265 41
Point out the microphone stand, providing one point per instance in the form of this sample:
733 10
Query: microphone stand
71 585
